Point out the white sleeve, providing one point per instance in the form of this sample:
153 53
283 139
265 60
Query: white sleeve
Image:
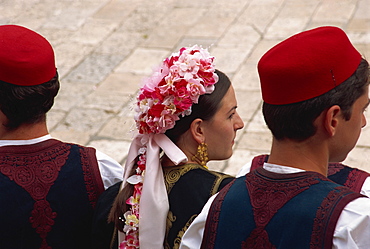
245 169
193 236
110 170
365 190
353 226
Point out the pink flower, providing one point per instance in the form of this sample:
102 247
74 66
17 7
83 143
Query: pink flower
156 110
173 88
167 122
131 241
183 104
195 88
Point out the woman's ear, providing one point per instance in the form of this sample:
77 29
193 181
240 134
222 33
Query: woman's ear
333 117
197 130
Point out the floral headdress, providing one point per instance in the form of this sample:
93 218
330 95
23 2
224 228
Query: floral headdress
170 92
174 88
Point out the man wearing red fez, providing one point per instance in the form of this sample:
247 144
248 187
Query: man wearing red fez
315 91
48 188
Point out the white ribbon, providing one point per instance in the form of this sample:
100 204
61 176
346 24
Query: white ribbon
154 200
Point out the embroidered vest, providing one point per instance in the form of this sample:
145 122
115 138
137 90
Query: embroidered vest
352 178
268 210
48 191
189 187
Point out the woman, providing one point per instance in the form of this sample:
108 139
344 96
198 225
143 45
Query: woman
186 116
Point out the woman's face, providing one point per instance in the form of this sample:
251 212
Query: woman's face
220 131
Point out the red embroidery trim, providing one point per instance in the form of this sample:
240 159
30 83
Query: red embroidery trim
327 216
267 197
352 178
36 174
258 239
258 161
92 177
210 231
334 168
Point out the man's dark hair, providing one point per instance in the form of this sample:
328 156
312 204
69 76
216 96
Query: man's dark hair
27 104
295 121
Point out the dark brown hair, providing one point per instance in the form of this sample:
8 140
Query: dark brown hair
27 104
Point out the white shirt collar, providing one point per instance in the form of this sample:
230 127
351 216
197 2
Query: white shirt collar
25 142
281 169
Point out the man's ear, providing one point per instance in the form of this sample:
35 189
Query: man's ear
333 117
197 130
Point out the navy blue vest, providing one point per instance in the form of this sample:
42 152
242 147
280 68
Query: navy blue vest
269 210
352 178
48 191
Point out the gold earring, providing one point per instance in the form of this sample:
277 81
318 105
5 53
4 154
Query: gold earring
201 156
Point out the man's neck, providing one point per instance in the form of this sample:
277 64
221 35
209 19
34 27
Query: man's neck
302 155
24 132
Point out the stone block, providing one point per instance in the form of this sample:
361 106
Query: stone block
246 78
94 31
241 36
364 49
53 118
248 103
122 83
68 55
337 11
121 42
119 128
205 27
72 15
256 141
147 16
357 25
204 42
94 69
84 120
116 10
284 27
71 136
142 61
168 33
258 123
228 60
111 102
115 149
260 13
359 38
71 94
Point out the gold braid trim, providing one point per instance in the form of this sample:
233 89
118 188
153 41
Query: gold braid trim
171 176
176 244
217 182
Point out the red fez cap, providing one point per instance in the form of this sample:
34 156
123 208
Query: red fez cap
26 58
307 65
